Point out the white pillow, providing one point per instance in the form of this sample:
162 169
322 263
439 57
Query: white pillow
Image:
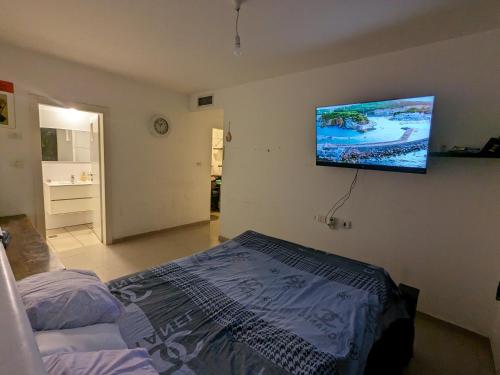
96 337
68 299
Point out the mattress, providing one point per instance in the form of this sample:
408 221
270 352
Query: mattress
258 305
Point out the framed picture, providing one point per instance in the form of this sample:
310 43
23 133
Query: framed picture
7 110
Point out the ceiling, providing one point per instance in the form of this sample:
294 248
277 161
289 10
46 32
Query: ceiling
186 45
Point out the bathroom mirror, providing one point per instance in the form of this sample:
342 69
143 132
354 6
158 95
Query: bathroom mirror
65 145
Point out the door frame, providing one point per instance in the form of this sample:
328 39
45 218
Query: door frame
104 162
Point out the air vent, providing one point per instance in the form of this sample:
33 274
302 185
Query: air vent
204 101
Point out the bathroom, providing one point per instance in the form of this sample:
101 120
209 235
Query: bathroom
71 170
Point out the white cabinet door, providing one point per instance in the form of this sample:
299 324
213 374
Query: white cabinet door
70 205
70 192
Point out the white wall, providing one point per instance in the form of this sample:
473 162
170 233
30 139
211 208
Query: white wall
62 171
437 232
154 183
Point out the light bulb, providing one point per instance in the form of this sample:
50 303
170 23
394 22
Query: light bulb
237 45
72 114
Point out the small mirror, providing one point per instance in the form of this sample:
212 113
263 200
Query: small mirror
65 145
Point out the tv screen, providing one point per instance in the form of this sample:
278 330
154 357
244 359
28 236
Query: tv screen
388 135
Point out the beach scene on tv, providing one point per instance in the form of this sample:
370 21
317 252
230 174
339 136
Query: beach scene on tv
390 133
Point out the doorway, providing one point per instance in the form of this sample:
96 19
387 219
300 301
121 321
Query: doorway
72 177
216 172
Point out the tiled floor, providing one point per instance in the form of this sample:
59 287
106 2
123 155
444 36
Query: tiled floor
136 254
440 348
70 238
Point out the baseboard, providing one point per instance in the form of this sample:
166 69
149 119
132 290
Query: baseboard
454 324
151 233
451 324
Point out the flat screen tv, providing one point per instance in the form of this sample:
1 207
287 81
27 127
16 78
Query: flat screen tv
390 135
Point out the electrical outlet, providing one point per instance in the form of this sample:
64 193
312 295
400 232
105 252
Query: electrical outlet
332 222
320 219
347 224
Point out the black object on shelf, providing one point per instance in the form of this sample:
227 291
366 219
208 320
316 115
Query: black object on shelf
490 150
492 147
457 154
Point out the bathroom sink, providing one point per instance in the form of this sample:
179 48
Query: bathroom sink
64 183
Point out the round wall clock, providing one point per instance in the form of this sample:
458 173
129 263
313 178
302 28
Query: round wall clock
160 126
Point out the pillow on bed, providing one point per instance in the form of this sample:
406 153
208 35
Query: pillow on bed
68 299
84 339
104 362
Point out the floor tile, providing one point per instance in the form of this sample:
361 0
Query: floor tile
64 242
59 235
86 239
77 228
50 246
55 231
72 238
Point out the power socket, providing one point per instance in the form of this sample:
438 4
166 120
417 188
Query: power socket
332 222
320 219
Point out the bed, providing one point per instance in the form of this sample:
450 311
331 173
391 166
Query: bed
260 305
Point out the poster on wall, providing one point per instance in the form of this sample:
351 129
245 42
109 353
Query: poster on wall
7 112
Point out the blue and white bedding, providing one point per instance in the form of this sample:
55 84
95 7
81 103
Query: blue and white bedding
258 305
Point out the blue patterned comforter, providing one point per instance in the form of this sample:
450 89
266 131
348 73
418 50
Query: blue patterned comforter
258 305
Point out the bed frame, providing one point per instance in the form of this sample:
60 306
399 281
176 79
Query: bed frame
19 353
392 353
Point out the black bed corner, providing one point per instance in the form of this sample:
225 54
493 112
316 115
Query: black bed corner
392 353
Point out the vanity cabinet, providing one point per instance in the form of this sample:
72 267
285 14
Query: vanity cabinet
62 199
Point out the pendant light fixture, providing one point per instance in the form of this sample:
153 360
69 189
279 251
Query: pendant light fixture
237 39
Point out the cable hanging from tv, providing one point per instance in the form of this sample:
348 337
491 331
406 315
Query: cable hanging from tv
333 210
